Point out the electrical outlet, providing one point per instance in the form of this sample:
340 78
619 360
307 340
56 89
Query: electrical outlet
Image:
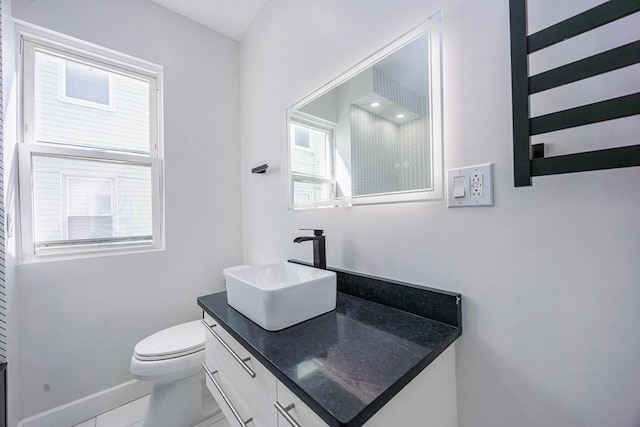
477 185
470 186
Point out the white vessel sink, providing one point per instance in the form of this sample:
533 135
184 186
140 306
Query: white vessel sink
276 296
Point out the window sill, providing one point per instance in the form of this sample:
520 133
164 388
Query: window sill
96 253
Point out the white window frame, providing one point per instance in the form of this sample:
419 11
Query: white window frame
62 91
312 122
32 38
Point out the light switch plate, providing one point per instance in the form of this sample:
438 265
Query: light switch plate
478 186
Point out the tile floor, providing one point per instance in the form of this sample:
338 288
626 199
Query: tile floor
131 415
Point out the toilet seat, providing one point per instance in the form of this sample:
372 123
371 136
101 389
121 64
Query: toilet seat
177 341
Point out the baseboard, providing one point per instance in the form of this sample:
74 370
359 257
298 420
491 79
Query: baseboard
80 410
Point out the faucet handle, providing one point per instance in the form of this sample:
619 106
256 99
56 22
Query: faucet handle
316 231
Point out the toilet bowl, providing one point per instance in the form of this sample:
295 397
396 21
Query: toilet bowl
172 360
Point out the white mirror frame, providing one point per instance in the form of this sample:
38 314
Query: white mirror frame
433 26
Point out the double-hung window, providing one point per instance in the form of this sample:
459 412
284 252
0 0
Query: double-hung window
90 155
312 163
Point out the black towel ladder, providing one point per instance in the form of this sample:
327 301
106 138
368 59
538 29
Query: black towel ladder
528 159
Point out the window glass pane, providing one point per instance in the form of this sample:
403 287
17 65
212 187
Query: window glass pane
90 227
86 82
71 112
314 160
89 196
301 136
72 196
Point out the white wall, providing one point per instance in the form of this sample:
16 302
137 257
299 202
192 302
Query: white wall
549 276
79 320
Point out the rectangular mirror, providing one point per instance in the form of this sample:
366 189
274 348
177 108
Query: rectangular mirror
374 134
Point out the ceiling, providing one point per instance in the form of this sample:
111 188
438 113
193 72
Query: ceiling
231 18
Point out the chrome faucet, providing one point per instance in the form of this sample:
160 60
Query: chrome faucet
319 251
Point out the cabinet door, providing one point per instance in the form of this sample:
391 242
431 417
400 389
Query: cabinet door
298 412
253 388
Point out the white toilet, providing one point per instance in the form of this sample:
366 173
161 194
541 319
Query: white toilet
172 360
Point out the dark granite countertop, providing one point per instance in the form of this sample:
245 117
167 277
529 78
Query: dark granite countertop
345 364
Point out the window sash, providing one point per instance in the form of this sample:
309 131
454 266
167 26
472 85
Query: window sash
84 246
99 244
31 44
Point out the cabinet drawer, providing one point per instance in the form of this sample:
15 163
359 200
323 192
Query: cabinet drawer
255 386
234 346
299 413
234 409
257 375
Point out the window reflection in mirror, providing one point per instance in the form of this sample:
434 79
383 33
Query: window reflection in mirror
374 134
312 158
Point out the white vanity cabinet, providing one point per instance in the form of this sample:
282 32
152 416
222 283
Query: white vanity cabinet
250 395
244 389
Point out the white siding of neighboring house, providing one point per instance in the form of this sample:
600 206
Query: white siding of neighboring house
311 161
124 127
132 194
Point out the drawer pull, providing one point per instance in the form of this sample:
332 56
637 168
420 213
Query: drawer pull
224 396
230 350
285 413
